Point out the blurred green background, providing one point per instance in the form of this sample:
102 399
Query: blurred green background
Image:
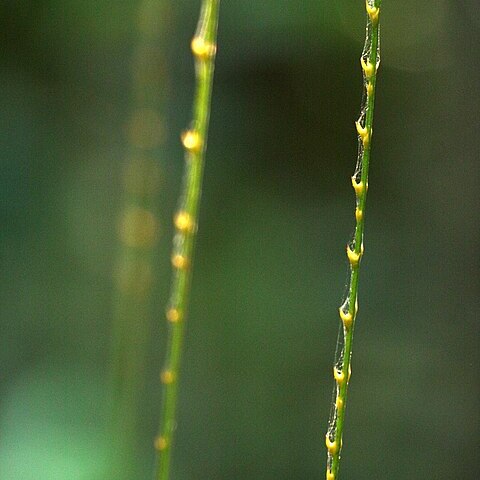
270 268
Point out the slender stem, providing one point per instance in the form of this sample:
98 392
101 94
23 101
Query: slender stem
138 234
195 142
348 311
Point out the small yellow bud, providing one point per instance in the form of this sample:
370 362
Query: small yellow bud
332 447
180 262
191 141
330 475
357 186
173 315
339 376
363 133
202 49
347 318
368 68
167 377
160 443
339 403
183 222
372 13
353 257
358 214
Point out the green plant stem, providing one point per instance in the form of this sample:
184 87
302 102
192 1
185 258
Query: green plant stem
186 219
134 275
348 311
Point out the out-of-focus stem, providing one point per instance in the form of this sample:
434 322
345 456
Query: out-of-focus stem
138 232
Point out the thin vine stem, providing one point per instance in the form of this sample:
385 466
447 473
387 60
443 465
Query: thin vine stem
370 61
186 219
138 233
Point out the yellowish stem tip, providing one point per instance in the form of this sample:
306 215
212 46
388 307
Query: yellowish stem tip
347 318
183 222
332 447
357 186
191 141
179 262
368 68
160 443
167 377
339 376
330 475
372 13
202 49
173 315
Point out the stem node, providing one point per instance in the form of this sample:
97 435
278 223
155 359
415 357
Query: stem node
194 141
348 311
